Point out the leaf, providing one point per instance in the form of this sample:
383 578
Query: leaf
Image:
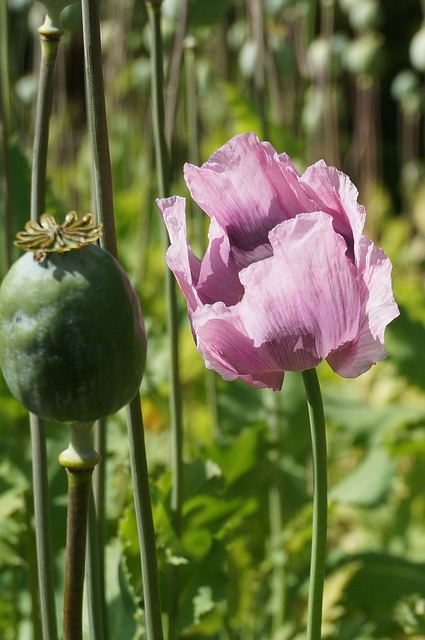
369 484
363 423
239 458
405 341
122 599
201 582
382 580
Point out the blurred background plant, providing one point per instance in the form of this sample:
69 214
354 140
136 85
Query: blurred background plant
340 80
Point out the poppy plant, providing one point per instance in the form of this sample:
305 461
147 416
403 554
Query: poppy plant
288 278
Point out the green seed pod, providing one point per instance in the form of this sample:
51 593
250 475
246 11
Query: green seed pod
72 338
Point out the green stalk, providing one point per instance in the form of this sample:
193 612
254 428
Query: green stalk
6 222
42 528
5 130
257 21
163 177
97 123
104 207
163 174
275 499
95 575
197 214
102 180
5 84
145 526
320 504
174 72
49 37
79 460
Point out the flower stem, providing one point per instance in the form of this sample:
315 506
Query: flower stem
320 504
49 39
275 500
163 176
79 459
145 527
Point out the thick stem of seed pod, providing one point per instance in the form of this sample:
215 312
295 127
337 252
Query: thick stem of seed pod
79 459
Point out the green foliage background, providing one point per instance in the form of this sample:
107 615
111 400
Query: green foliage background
339 80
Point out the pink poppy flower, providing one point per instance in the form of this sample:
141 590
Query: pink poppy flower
288 279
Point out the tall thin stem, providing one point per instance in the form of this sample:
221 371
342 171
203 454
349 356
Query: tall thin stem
102 180
42 528
95 576
320 504
49 37
142 503
95 573
174 72
257 22
5 131
163 176
275 496
97 123
104 206
197 214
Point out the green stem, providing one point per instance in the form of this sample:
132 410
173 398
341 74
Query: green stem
158 111
104 206
174 72
97 123
42 528
49 38
163 176
5 131
257 21
163 171
197 214
145 527
79 460
95 573
320 504
5 82
95 576
275 497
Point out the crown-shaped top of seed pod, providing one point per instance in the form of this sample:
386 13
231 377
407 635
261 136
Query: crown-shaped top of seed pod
47 236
